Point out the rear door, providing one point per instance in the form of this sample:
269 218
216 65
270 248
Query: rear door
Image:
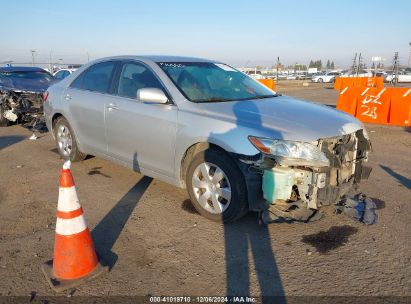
86 101
141 135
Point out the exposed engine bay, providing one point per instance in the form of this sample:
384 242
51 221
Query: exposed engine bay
297 192
22 107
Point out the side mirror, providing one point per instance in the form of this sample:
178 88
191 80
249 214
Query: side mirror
151 95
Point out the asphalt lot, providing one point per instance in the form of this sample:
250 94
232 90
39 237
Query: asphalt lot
158 245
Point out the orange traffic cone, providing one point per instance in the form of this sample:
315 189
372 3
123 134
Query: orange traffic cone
75 259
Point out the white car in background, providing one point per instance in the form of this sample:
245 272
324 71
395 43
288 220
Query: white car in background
362 73
63 73
330 77
256 76
403 76
291 77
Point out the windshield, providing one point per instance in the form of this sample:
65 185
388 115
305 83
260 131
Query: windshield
213 82
36 75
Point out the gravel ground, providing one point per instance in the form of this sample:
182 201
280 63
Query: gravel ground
158 245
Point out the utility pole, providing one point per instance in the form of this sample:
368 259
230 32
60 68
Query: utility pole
359 64
33 52
354 64
395 67
409 56
51 63
276 76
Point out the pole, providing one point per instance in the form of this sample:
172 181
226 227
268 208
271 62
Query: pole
51 64
276 77
359 64
32 56
354 64
409 57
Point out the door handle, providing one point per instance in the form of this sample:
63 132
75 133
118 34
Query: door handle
67 97
112 106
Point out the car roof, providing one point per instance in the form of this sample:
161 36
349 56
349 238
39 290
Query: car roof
159 58
21 69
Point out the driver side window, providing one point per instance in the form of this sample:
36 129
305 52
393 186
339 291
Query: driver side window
136 76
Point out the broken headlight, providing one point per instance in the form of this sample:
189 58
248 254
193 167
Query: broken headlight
291 153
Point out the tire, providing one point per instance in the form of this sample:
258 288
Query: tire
4 122
66 141
320 80
205 194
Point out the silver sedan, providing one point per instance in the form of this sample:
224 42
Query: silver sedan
202 125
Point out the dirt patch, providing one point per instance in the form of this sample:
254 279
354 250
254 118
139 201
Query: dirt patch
325 241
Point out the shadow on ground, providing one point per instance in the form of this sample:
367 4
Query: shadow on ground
107 231
6 141
248 239
406 182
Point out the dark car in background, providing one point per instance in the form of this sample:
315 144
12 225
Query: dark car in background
21 95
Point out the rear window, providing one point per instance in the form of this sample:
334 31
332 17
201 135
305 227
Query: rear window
96 78
33 75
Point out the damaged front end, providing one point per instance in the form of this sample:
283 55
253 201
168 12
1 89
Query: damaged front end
298 178
23 107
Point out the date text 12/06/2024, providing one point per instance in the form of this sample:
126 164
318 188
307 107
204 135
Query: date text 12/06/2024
199 299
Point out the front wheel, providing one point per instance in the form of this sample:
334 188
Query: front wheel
4 122
66 141
216 186
320 80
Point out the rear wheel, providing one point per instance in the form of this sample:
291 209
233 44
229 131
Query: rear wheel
216 186
320 80
66 141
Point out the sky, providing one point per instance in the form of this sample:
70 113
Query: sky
240 33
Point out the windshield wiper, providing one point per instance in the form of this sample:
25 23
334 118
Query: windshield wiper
214 99
265 96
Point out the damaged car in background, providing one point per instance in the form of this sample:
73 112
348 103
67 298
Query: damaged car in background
21 96
234 144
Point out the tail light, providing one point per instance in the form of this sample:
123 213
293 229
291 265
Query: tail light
45 96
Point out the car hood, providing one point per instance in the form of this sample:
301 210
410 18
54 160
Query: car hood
25 85
284 117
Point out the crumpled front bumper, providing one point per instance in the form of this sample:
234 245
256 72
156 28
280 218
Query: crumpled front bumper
297 192
23 107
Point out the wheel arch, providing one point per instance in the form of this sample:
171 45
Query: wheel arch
53 122
193 150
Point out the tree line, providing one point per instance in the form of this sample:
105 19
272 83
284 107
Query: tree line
319 65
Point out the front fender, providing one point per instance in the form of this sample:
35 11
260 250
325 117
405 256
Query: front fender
195 128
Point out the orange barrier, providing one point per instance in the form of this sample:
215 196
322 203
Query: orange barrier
378 82
400 111
347 100
390 106
338 84
269 83
342 82
373 105
75 259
